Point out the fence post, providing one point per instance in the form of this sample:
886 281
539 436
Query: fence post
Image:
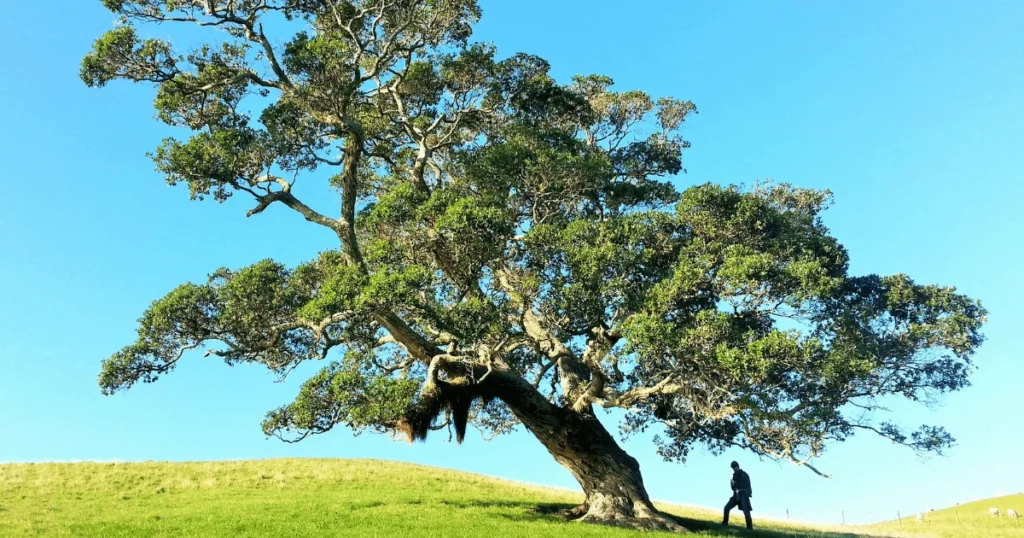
844 517
957 513
899 518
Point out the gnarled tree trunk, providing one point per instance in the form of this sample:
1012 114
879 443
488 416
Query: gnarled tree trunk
610 477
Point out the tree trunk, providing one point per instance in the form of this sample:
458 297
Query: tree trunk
610 477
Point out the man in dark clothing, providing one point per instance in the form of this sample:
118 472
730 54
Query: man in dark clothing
741 493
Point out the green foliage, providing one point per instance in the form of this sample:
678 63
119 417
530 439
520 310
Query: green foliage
262 313
182 319
220 73
342 394
120 54
475 319
211 164
766 258
338 288
495 218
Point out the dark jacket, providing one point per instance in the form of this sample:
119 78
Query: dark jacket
740 481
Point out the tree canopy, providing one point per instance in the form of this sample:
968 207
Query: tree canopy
508 244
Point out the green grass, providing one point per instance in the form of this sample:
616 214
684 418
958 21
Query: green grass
305 497
971 519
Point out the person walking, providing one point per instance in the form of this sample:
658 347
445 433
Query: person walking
741 493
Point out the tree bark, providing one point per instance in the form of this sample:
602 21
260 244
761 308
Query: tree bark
610 478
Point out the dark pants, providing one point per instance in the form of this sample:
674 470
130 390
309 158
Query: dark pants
742 500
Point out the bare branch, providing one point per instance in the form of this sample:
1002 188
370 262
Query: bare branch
543 371
811 467
632 396
286 197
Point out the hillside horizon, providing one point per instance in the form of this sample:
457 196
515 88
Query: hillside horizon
764 515
156 498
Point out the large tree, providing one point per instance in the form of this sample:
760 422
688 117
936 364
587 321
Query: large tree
511 250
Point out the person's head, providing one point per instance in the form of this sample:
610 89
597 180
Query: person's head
734 465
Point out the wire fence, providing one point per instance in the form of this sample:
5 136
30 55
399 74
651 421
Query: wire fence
965 518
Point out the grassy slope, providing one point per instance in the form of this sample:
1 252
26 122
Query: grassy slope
298 498
970 519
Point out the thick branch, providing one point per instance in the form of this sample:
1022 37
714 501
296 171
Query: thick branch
632 397
572 372
288 199
349 182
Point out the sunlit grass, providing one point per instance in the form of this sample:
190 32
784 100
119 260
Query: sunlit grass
307 497
971 519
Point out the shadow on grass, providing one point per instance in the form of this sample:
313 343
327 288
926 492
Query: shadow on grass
550 512
490 504
365 505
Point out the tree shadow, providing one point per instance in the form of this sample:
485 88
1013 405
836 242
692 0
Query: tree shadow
550 512
550 509
526 506
703 525
365 505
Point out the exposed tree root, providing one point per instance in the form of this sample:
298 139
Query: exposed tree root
575 512
643 518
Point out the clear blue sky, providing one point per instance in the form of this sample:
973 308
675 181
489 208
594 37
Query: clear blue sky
912 112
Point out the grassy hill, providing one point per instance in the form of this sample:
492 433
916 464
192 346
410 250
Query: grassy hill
969 519
291 497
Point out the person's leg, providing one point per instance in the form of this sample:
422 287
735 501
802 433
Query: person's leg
743 500
728 506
